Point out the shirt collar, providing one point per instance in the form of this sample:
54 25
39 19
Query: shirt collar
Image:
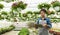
44 18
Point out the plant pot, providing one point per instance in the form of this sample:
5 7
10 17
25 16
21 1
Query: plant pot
51 31
57 33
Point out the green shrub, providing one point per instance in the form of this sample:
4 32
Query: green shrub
24 31
4 30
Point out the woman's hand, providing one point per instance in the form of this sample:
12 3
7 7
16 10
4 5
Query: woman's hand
45 25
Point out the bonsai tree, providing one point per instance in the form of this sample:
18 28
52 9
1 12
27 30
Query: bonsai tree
16 8
24 16
44 5
18 5
29 15
56 6
3 15
50 12
1 6
36 12
35 15
29 12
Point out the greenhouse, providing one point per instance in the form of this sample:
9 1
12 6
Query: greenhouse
22 17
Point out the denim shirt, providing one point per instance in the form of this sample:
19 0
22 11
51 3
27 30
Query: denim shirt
47 21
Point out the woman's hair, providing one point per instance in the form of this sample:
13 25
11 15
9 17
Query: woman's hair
43 10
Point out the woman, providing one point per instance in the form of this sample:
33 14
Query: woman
44 22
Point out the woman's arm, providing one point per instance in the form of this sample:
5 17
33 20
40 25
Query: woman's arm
49 23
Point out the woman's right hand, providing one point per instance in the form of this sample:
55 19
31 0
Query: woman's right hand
44 25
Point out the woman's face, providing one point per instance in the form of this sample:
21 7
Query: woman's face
42 14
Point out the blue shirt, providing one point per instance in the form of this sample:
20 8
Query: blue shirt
47 21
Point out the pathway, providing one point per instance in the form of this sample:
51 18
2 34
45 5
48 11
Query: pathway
11 33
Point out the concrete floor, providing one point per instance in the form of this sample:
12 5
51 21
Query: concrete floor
13 33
